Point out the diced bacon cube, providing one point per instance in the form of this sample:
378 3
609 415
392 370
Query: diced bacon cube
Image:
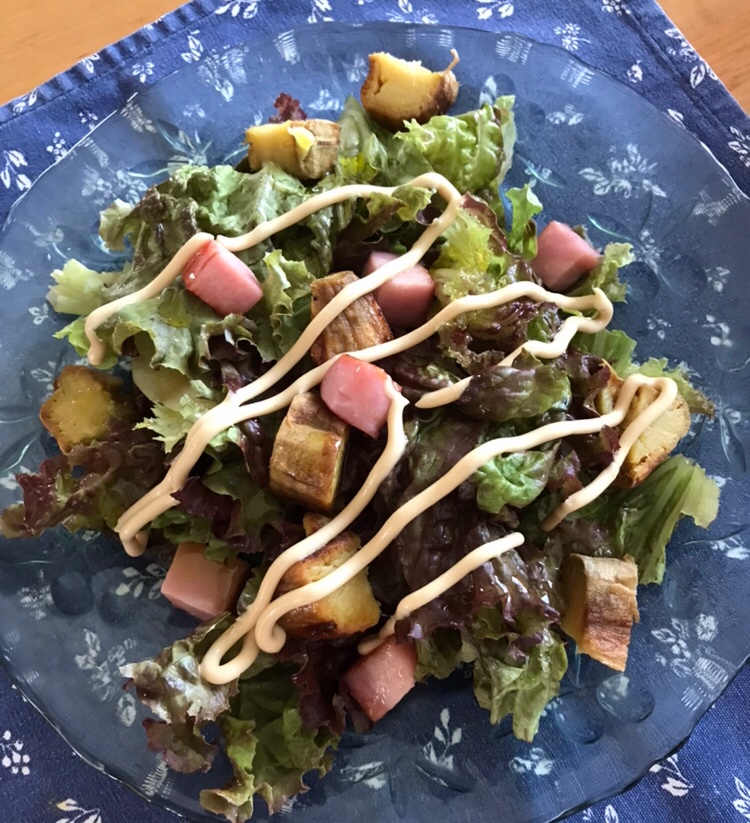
563 256
379 680
201 586
406 299
221 280
355 391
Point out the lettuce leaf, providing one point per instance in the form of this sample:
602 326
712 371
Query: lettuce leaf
612 345
473 150
268 746
77 289
171 685
264 737
513 480
526 389
522 235
606 274
286 304
641 520
516 671
524 691
89 488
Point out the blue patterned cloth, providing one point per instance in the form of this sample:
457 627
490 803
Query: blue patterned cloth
708 780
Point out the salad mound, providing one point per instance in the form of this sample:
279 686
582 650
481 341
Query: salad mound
525 568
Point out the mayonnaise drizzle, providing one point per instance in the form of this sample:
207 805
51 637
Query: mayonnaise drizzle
421 597
258 626
97 349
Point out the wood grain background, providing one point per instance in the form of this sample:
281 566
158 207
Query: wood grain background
39 38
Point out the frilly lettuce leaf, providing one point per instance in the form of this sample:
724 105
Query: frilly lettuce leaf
473 150
522 235
284 312
612 345
513 479
265 740
526 389
516 671
171 684
268 746
606 274
641 520
503 687
77 289
89 488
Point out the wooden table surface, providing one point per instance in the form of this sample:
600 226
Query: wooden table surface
39 38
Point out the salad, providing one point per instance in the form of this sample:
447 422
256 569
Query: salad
378 423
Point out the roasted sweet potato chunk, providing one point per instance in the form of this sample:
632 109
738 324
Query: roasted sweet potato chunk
308 453
397 90
349 610
82 407
305 148
361 324
659 439
600 593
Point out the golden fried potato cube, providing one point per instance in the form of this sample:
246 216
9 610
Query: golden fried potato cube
397 90
82 407
349 610
600 594
305 148
359 326
308 453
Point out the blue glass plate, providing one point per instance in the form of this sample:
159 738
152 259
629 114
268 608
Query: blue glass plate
72 609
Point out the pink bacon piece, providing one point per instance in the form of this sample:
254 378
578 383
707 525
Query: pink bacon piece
379 680
406 299
563 256
221 280
201 586
355 391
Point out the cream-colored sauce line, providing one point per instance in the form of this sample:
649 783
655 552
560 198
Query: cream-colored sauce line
229 412
270 638
441 584
159 499
597 301
97 349
258 625
667 389
211 667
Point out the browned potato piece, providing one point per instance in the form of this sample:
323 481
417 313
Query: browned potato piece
605 400
601 606
349 610
396 90
361 324
81 408
656 443
305 148
308 453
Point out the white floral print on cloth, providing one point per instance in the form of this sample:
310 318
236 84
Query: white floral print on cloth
501 8
674 781
699 69
742 803
76 813
13 759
